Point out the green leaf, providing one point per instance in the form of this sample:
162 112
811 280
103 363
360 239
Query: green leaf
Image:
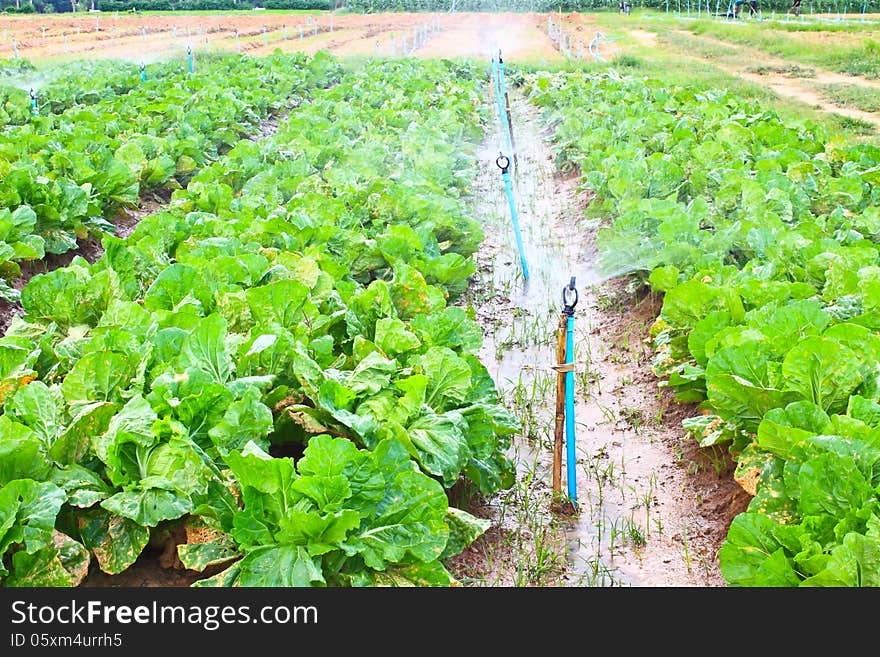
27 513
22 454
664 278
83 487
280 302
741 386
115 541
205 349
449 377
752 556
73 443
326 469
440 443
132 424
450 327
822 371
148 507
198 556
279 565
39 407
854 562
688 303
179 288
393 338
832 484
317 533
411 522
248 419
782 429
97 376
464 529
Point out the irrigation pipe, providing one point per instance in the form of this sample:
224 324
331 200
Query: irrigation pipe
559 429
569 301
594 45
503 163
502 95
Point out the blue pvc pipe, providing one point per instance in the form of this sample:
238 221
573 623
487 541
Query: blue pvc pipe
571 458
519 242
189 57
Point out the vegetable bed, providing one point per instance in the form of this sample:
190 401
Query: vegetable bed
764 238
274 361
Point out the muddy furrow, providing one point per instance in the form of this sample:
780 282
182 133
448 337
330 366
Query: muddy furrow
652 508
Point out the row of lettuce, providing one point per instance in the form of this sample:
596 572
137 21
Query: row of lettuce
101 138
272 362
763 235
60 87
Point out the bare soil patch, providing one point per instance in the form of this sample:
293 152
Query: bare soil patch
151 38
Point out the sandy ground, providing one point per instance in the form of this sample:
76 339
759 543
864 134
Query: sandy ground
149 38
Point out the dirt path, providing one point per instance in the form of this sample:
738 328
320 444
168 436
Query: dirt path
823 76
786 86
653 510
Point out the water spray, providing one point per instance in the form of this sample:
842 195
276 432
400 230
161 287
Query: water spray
502 102
503 163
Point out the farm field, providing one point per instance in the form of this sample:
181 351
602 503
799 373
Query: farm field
274 315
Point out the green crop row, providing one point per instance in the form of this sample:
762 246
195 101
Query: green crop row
764 238
58 88
273 360
64 176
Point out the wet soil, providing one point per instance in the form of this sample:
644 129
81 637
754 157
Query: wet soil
653 508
